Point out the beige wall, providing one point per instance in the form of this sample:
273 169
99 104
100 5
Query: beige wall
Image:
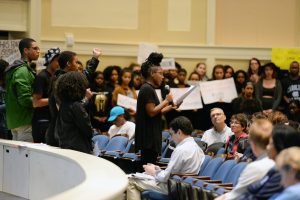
192 31
267 23
152 21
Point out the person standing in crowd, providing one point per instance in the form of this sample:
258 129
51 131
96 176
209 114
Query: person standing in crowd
4 133
111 77
200 69
67 63
125 87
73 126
254 70
19 79
186 158
41 115
218 73
229 71
268 90
293 112
100 103
149 110
220 131
246 103
240 80
291 84
194 76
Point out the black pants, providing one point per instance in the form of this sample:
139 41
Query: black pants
148 156
39 128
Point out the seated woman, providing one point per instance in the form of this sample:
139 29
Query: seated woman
238 142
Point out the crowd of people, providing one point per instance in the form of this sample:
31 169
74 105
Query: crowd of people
65 106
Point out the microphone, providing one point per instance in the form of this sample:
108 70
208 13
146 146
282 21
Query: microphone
167 89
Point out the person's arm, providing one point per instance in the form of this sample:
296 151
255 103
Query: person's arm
82 120
258 92
23 87
278 95
117 90
92 64
39 101
174 165
153 110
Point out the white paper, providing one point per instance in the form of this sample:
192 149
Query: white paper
218 91
191 102
144 51
143 176
9 50
168 63
196 83
180 99
127 102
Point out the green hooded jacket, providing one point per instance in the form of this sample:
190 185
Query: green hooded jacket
19 79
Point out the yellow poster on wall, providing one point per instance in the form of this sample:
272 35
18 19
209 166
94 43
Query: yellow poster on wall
283 57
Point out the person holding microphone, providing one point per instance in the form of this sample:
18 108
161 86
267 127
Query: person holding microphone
149 123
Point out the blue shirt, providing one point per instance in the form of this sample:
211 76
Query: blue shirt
291 192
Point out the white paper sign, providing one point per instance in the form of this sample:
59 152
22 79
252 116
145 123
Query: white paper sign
168 63
196 83
191 102
127 102
218 91
9 50
144 51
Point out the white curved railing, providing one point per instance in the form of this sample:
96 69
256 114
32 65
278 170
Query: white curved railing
37 171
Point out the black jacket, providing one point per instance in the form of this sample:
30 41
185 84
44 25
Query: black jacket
73 127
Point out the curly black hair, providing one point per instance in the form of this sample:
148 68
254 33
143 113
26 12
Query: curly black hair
109 70
153 60
71 87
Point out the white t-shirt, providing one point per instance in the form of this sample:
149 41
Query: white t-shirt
211 136
127 128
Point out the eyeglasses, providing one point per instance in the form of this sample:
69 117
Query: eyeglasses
35 48
235 122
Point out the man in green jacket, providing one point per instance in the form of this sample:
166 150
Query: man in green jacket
19 79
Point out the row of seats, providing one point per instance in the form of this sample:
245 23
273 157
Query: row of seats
215 177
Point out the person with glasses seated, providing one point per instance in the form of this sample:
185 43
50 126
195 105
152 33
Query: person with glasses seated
238 142
186 158
220 132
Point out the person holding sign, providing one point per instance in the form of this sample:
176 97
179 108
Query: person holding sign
126 88
149 110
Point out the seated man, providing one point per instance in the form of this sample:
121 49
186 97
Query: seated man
120 125
186 158
259 135
220 132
